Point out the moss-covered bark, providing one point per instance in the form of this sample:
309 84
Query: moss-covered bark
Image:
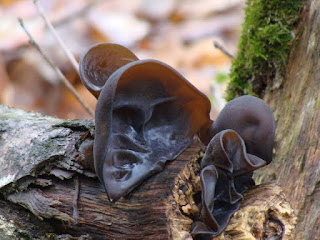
296 106
282 64
264 46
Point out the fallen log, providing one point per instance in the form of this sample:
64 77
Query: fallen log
48 190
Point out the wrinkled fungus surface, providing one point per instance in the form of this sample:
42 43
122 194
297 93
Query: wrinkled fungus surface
240 141
225 175
147 113
253 120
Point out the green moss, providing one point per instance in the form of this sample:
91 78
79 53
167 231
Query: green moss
264 45
222 77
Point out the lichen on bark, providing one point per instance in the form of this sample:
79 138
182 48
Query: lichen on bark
264 46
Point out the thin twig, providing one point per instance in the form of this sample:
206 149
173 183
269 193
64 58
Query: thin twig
56 36
222 49
60 75
75 200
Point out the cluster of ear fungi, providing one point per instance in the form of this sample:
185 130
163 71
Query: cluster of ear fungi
147 113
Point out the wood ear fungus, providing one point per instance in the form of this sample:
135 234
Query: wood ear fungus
239 141
147 113
224 178
99 62
253 120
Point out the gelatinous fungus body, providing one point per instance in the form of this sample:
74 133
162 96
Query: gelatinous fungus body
253 120
147 113
225 175
240 141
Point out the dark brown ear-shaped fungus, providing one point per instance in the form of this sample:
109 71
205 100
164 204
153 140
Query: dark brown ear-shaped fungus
253 120
99 62
146 114
223 180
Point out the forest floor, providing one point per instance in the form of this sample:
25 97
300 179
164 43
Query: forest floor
180 33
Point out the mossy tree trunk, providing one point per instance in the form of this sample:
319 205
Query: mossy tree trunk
296 106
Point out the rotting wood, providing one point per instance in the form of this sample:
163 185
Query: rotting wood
264 214
43 156
295 100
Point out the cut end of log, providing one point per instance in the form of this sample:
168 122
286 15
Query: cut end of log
181 203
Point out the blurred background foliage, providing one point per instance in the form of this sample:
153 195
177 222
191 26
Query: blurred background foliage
178 32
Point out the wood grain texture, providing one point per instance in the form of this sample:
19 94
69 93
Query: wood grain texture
38 203
296 105
42 156
264 214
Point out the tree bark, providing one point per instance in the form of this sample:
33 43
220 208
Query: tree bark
296 106
48 190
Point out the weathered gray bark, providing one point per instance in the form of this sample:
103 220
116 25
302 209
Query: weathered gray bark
43 159
296 105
